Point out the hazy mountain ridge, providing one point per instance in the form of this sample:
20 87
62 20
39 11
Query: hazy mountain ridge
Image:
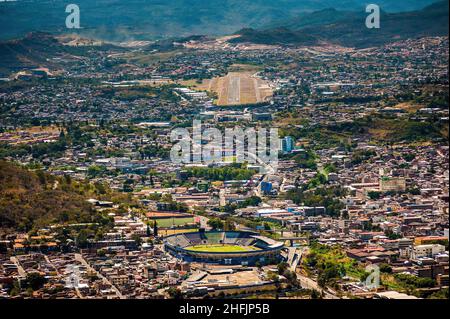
345 28
349 28
310 19
146 19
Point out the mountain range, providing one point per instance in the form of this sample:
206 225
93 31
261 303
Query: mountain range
348 28
122 20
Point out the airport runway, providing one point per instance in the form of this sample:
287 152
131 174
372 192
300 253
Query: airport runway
234 89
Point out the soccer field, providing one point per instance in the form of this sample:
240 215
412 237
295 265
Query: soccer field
168 222
221 248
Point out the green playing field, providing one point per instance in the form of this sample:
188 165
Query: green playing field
221 248
168 222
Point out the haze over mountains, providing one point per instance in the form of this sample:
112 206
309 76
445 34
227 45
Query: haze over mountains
122 20
348 28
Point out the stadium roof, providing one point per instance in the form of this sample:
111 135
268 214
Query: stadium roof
394 295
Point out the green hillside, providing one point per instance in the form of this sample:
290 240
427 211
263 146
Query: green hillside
33 199
274 36
38 49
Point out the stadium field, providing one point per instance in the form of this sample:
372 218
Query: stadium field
168 222
221 248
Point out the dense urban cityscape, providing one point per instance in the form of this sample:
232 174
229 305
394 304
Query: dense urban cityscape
92 205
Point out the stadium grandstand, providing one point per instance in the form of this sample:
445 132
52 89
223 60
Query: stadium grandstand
224 247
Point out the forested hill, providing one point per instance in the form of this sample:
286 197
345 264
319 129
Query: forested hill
33 199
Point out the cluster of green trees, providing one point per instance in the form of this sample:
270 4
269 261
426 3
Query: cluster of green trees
221 173
291 277
330 168
377 195
215 223
163 92
441 294
154 151
419 287
413 282
251 201
331 263
96 171
316 181
361 156
409 156
396 129
33 281
173 205
38 150
306 160
328 197
71 134
175 293
219 224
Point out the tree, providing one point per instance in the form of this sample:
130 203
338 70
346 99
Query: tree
374 195
251 201
82 239
35 280
137 239
100 188
391 235
291 277
155 229
328 197
385 268
229 225
315 294
327 275
175 293
282 267
95 170
215 223
167 198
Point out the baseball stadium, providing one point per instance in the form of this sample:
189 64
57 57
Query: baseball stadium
223 247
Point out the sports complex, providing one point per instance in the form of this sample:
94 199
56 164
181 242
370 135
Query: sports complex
224 247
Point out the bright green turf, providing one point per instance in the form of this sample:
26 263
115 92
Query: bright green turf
168 222
221 248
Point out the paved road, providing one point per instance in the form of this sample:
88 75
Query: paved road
20 269
309 283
